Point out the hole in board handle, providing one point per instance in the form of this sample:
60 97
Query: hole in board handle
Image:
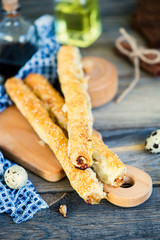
129 182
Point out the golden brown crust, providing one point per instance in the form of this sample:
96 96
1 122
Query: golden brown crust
74 87
106 164
84 182
51 99
63 210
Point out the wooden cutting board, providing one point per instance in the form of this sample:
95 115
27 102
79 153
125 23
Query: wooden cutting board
20 143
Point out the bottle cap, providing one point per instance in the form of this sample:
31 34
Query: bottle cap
103 80
10 5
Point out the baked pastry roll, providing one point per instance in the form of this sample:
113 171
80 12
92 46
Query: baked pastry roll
106 164
84 182
51 99
78 106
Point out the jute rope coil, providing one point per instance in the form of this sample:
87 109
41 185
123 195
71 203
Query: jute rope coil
135 54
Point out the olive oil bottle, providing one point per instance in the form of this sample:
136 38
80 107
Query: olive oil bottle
77 22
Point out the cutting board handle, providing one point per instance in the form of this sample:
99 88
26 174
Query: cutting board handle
139 190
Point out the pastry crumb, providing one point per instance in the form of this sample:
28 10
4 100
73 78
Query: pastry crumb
63 210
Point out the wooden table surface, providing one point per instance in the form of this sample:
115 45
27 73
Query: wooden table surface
124 124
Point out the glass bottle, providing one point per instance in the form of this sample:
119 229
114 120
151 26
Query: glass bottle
18 40
77 21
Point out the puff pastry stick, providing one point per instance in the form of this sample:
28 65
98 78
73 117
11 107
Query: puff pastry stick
106 164
52 100
84 182
74 87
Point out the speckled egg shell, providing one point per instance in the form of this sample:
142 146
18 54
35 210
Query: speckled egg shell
152 143
15 177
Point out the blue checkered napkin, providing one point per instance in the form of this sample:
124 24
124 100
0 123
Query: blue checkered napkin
20 204
44 61
4 99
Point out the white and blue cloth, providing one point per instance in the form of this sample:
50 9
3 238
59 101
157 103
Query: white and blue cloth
22 204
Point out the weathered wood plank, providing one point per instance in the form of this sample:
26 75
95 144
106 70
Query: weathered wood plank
140 109
103 221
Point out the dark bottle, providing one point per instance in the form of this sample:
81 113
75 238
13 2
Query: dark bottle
18 40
